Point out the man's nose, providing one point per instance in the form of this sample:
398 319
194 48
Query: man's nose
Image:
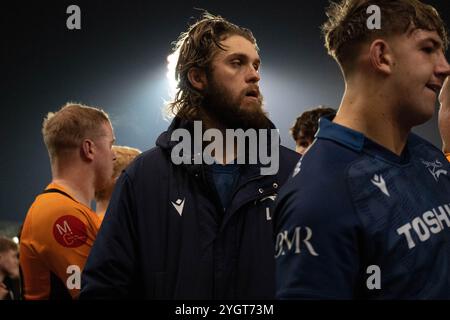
443 67
253 75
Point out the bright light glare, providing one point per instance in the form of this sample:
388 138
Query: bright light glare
170 75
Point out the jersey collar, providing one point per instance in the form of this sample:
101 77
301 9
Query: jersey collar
357 141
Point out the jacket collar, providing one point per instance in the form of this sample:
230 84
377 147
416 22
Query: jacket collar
164 142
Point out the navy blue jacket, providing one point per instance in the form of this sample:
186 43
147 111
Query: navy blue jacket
146 248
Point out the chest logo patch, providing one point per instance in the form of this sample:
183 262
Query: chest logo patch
379 182
435 168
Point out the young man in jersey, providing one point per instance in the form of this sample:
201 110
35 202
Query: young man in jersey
306 125
60 227
367 214
195 230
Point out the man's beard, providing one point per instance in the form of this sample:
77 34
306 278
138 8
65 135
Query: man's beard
220 105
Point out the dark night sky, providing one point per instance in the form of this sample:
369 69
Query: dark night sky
118 61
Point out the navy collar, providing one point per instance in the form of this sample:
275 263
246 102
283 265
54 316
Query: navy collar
358 142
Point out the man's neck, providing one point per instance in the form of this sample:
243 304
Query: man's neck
371 114
78 187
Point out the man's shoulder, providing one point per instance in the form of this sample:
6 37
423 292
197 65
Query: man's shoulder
53 213
53 202
153 154
319 183
149 161
287 154
421 146
320 173
318 193
51 206
326 160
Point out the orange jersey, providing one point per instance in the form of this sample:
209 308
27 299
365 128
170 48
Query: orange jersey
56 239
447 155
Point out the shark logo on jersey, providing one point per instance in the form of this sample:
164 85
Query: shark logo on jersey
433 168
378 181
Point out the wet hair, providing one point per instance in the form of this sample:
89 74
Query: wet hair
196 48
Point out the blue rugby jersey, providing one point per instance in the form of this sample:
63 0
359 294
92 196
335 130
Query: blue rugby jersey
358 221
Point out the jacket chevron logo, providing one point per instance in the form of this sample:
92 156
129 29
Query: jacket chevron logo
179 205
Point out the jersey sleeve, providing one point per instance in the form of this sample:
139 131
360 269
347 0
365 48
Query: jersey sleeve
316 241
57 240
75 233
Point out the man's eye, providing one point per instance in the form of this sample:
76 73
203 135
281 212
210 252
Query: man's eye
428 49
236 62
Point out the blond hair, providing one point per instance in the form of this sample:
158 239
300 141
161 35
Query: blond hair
346 27
124 156
67 128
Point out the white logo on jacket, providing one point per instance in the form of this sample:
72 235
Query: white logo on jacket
272 197
179 205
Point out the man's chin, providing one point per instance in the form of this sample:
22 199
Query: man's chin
251 104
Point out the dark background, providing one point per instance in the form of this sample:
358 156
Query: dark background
117 61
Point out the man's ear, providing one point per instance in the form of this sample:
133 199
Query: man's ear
381 56
87 149
197 78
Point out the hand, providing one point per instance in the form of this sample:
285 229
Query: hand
444 116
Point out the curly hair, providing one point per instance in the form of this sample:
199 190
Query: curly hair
196 48
308 123
346 27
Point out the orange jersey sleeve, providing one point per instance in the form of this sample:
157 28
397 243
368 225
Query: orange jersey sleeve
56 239
447 155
